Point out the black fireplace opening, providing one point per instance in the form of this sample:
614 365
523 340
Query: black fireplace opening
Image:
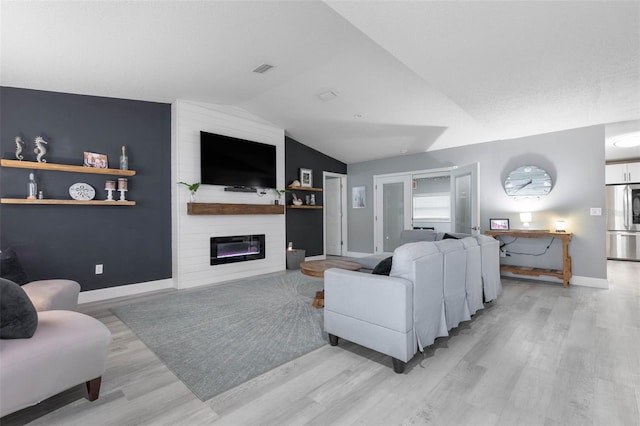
238 248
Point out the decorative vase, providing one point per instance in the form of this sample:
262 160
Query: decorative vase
192 197
124 159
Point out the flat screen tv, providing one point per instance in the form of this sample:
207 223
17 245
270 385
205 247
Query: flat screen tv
229 161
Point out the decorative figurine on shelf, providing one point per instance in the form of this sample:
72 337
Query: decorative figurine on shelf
19 145
193 188
296 201
40 149
124 160
33 187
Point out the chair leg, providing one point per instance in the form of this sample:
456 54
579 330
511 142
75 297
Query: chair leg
333 340
398 366
93 388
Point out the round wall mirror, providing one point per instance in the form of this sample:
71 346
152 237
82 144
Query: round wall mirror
528 181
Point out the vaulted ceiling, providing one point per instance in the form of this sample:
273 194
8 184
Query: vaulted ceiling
356 80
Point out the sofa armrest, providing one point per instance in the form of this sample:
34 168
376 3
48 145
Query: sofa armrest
50 295
376 299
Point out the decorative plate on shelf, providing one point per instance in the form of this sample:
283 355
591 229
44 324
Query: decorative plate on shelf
82 191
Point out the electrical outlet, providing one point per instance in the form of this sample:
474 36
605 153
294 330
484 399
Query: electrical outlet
503 253
99 269
596 211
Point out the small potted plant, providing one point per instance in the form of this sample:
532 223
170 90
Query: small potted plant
193 188
279 193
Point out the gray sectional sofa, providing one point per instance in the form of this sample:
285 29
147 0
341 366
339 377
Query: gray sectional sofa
434 285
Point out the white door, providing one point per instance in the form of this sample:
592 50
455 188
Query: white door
465 196
333 216
392 211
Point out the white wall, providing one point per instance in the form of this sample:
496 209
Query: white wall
191 234
575 160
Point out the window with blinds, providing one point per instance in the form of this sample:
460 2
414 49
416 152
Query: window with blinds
432 207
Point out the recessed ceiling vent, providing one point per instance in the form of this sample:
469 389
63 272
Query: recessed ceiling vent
261 69
327 95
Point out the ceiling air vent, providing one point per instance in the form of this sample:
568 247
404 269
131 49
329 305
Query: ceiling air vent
261 69
327 95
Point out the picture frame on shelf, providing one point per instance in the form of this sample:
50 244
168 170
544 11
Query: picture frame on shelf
306 178
358 197
499 224
92 159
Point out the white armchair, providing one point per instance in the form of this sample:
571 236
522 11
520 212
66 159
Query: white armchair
67 348
394 315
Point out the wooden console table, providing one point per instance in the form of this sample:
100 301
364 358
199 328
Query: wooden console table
565 237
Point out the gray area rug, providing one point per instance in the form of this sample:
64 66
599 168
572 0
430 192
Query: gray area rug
216 338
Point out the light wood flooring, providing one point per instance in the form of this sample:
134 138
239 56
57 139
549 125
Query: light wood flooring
539 355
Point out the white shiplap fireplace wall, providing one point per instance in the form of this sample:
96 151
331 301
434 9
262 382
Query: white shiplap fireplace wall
192 233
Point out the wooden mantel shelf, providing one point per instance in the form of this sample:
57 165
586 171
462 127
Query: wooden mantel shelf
223 208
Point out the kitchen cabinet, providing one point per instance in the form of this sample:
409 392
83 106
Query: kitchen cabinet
622 173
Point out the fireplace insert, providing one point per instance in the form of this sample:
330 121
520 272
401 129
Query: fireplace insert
239 248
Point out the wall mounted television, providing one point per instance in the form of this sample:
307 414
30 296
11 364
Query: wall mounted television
229 161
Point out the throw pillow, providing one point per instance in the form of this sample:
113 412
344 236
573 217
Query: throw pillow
10 267
384 267
18 317
449 237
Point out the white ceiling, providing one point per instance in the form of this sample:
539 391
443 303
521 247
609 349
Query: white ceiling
410 76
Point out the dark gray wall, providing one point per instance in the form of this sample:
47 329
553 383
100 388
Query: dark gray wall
304 227
58 241
574 159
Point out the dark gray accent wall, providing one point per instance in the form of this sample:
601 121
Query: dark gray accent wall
305 227
66 241
573 158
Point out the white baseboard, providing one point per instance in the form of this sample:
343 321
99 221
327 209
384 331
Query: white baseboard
318 257
358 254
590 282
124 290
575 280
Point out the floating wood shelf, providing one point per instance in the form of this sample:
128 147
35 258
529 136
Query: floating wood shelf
49 201
64 168
303 188
234 209
304 207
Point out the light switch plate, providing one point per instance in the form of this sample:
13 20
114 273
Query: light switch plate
596 211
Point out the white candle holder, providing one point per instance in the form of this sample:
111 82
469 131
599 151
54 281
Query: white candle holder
109 194
122 191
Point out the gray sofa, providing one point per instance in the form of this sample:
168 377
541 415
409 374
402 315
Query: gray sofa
433 286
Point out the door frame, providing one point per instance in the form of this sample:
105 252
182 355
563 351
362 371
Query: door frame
343 221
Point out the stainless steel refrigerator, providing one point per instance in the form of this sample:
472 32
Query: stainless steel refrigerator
623 222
